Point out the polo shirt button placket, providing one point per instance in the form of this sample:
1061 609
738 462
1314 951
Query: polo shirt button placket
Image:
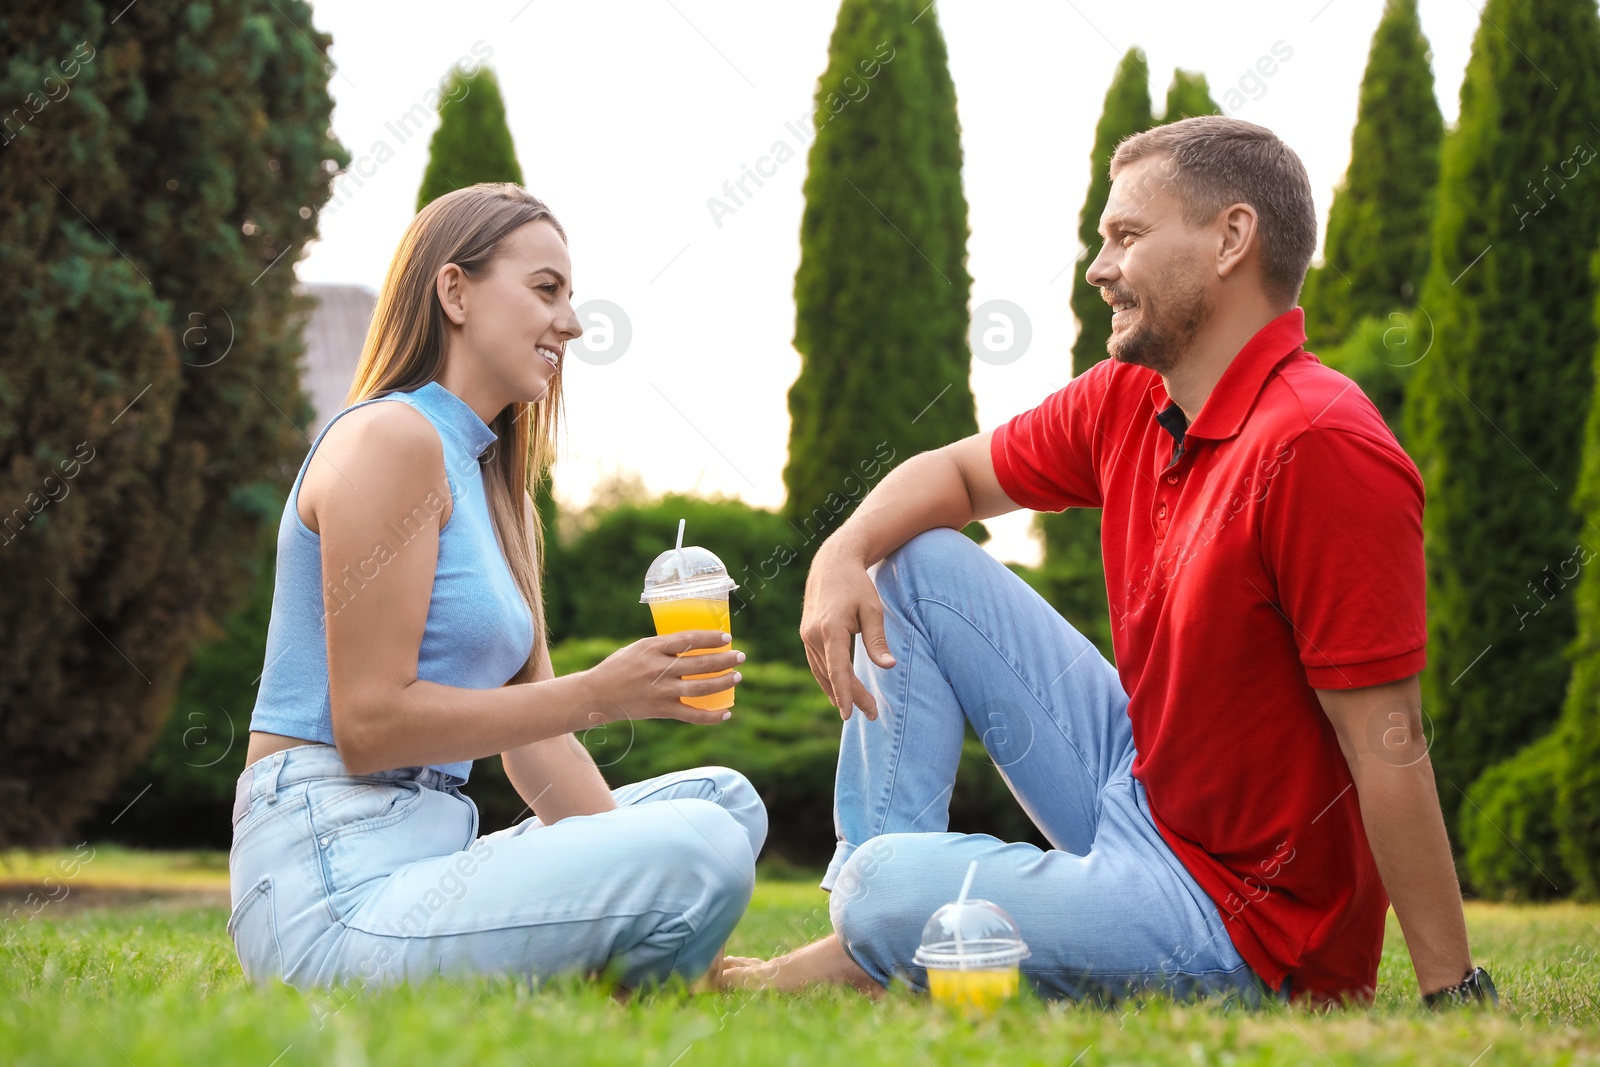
1172 479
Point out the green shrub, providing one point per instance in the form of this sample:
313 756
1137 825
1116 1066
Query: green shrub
595 586
1508 826
1577 813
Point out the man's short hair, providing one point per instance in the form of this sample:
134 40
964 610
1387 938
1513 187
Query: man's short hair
1219 161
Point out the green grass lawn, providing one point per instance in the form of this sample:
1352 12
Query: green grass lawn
101 976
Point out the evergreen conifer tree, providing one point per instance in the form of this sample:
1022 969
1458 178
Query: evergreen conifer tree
1495 413
160 175
882 290
473 142
1126 112
1189 95
1577 771
1072 577
1376 251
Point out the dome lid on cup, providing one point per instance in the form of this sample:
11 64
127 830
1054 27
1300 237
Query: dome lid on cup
690 571
971 935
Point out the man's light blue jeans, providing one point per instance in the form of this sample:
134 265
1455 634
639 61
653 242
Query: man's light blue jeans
381 878
1110 910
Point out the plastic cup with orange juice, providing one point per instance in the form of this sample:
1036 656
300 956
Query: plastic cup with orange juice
972 950
687 589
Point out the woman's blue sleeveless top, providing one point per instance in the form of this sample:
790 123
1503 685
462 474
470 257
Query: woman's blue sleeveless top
479 631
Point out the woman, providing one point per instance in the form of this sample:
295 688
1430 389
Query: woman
407 639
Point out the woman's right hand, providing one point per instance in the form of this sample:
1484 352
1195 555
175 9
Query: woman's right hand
644 680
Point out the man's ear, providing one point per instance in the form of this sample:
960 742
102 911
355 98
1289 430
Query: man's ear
1240 235
451 286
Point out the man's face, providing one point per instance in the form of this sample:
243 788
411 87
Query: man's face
1153 269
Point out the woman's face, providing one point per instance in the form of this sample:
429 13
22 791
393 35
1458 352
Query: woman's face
516 318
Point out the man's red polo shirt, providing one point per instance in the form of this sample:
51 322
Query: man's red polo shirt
1280 552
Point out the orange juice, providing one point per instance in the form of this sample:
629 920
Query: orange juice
973 952
973 991
697 613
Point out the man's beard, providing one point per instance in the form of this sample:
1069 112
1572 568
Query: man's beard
1166 328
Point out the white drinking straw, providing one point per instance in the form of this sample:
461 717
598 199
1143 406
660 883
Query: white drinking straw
683 570
966 887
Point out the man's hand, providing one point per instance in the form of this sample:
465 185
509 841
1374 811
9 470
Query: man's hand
840 602
949 487
1380 732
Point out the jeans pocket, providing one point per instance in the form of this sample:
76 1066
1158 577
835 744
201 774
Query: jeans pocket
340 805
253 926
346 814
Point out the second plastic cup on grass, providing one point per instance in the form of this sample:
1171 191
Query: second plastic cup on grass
971 949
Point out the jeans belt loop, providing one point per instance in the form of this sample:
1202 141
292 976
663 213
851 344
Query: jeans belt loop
265 782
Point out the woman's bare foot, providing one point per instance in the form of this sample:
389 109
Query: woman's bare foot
823 962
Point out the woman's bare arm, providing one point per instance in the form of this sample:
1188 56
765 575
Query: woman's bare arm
557 778
380 470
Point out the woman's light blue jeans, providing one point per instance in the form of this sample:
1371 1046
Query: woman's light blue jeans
381 878
1110 910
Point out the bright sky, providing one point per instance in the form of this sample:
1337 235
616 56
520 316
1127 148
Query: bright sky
628 115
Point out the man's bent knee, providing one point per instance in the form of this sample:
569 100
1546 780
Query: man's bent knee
940 547
870 916
942 560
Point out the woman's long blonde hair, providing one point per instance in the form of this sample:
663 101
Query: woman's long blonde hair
405 350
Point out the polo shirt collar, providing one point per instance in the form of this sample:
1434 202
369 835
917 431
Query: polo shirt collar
1231 399
457 415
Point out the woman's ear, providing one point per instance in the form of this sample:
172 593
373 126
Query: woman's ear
451 286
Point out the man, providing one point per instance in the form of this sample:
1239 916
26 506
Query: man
1234 805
